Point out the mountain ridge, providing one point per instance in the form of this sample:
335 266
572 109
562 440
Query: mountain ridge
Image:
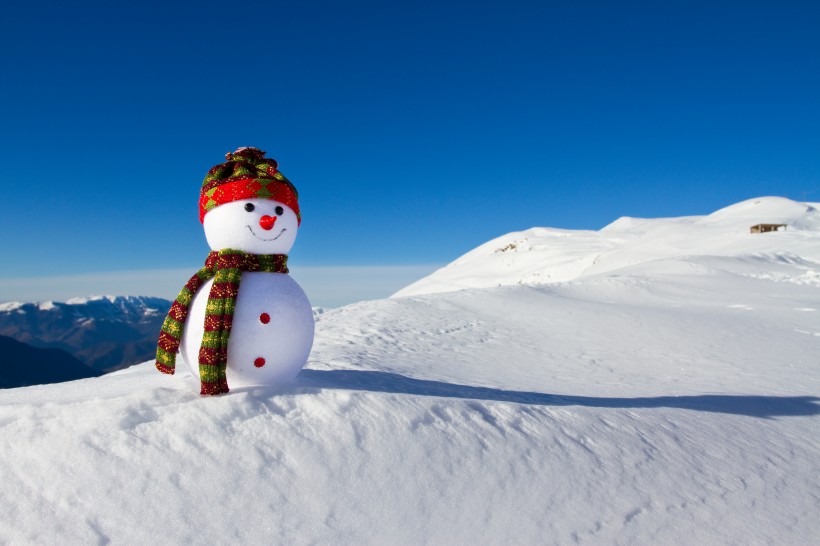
105 332
548 255
22 365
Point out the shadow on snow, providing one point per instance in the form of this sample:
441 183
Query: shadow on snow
753 406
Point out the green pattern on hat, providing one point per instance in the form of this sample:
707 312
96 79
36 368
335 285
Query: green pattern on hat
245 162
223 182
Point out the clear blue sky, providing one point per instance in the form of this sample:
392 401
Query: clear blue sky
414 131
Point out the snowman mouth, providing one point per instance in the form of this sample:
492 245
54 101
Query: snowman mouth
262 238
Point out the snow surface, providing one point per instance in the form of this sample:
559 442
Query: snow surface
543 255
671 401
119 301
101 297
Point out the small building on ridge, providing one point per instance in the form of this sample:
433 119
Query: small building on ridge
764 228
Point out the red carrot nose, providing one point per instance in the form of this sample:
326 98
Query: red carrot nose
267 222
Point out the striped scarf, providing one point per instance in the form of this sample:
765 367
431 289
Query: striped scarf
225 267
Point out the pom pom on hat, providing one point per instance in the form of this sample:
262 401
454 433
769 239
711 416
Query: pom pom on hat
247 174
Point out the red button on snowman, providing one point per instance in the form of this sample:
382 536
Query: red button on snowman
242 320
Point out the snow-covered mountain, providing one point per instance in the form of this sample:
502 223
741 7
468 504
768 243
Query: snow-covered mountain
547 255
672 400
104 332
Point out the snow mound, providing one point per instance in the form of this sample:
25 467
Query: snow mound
666 407
769 210
541 255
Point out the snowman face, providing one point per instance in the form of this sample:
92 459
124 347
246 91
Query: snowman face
257 226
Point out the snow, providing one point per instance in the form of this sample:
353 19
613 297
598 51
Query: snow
102 297
674 399
51 305
539 255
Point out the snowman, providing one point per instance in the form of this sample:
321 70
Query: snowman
241 319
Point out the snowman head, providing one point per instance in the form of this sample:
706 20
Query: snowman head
257 226
247 204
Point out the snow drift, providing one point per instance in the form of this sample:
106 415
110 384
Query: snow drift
673 399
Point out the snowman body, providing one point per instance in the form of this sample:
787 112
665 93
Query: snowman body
272 327
272 331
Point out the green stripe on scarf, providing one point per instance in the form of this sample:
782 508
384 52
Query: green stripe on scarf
226 268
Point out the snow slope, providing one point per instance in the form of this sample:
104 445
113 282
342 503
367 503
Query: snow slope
546 255
671 402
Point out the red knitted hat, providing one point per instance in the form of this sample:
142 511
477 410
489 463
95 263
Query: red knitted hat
248 174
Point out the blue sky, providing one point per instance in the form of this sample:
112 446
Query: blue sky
414 131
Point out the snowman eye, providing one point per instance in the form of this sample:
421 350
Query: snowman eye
279 211
249 207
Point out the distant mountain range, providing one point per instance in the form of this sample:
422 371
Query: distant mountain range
105 333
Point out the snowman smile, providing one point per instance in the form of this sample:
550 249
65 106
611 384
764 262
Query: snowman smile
262 238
